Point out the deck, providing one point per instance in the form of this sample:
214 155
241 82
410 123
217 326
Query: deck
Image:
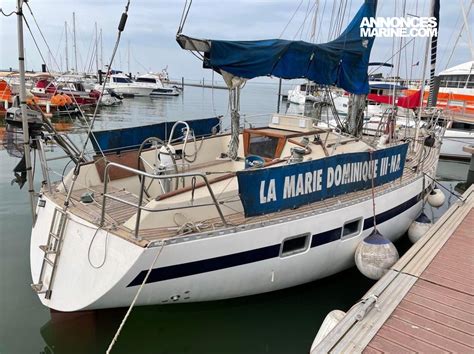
117 213
425 303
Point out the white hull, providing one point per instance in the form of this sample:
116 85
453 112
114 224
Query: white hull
130 89
341 103
296 97
453 142
164 94
229 263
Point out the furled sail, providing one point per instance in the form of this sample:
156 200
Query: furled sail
342 62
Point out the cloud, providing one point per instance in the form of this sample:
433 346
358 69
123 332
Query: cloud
152 25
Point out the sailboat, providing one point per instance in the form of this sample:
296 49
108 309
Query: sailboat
186 212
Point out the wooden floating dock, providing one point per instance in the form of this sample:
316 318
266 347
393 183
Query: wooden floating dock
425 302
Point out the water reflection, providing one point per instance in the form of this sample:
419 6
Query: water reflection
284 321
281 322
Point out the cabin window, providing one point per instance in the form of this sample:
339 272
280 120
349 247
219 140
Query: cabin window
146 79
294 245
122 80
351 228
462 126
264 146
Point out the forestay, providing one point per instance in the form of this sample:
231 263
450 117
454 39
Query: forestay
273 189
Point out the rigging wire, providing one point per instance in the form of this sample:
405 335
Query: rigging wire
184 15
304 20
321 21
303 24
413 48
58 49
332 20
41 33
373 188
291 19
73 97
121 27
124 320
342 17
386 61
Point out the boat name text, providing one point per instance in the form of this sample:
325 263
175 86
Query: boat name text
312 181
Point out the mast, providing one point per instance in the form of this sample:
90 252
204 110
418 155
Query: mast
24 117
96 49
434 46
423 76
67 47
101 51
128 57
74 40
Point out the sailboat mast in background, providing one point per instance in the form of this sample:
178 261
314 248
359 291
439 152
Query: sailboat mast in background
74 40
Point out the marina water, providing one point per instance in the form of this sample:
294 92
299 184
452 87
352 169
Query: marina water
285 321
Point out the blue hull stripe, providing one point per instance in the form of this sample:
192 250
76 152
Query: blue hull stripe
259 254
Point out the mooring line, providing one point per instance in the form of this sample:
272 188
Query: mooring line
124 320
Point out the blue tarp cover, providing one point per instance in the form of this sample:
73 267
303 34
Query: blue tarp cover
342 62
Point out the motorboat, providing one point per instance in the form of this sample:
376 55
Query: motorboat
144 85
304 93
155 83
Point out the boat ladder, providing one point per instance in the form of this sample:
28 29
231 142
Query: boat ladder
51 253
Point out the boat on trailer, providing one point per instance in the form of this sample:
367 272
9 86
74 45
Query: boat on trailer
195 213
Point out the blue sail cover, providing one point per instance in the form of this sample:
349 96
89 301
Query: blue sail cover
342 62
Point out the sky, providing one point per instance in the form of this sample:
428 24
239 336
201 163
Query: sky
152 25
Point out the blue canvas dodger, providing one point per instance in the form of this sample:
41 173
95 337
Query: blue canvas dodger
116 140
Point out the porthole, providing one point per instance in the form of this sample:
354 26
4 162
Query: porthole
294 245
